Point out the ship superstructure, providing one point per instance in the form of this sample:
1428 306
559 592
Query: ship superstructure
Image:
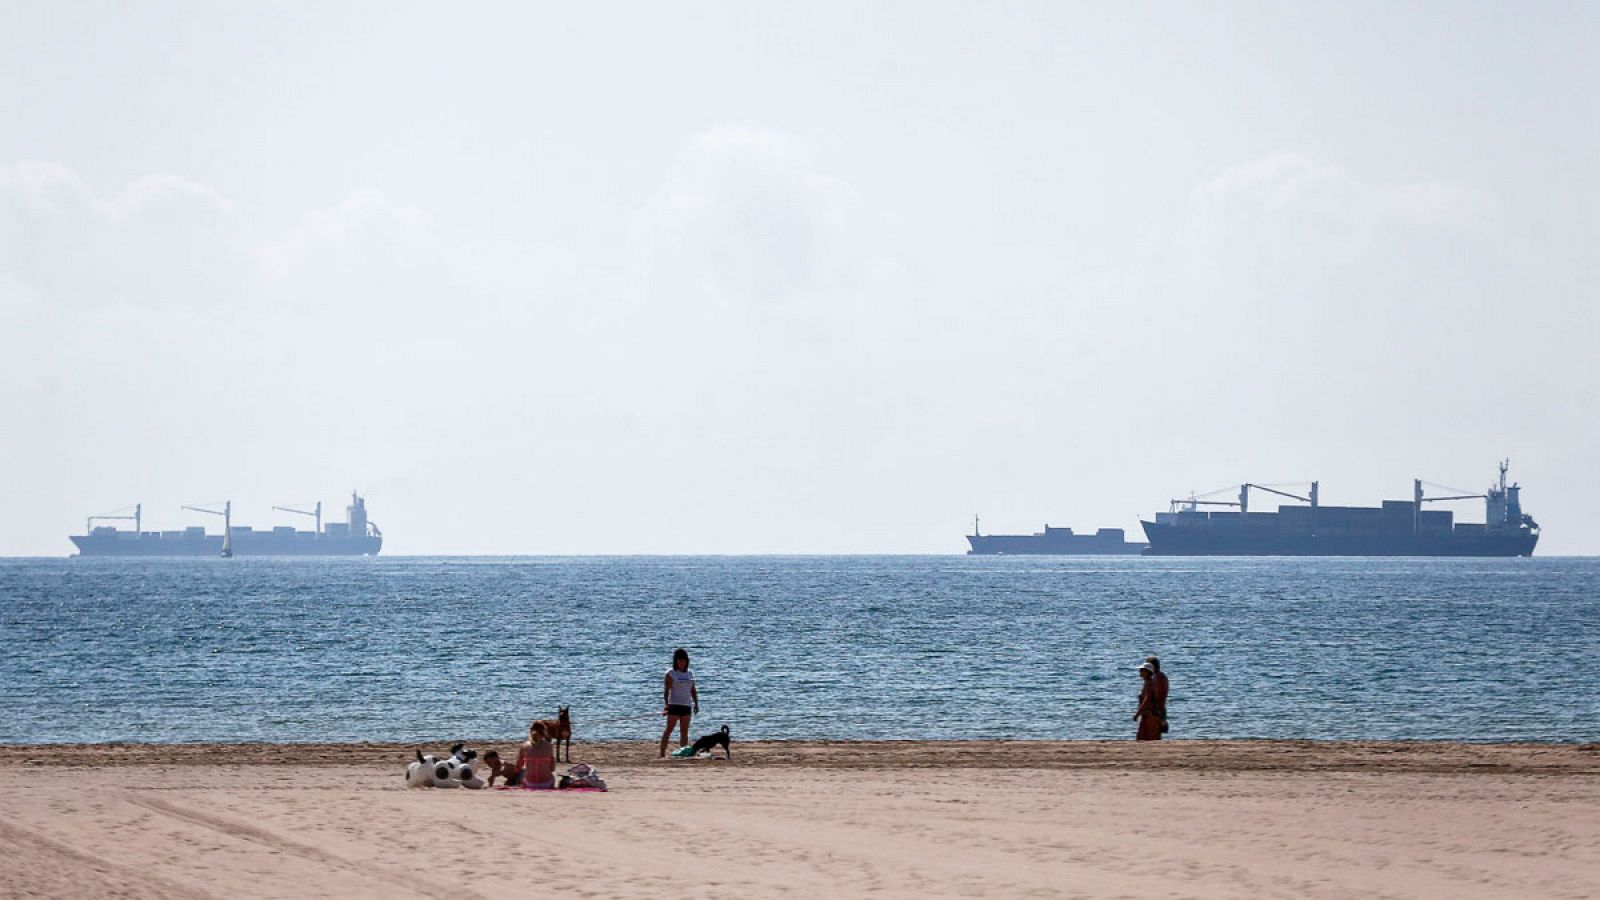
357 536
1397 528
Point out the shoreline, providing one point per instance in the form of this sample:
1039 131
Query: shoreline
1256 755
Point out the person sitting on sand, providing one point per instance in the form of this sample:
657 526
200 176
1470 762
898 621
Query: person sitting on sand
536 760
498 769
1148 715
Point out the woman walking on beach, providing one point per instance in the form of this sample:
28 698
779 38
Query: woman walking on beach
1152 713
678 694
1159 679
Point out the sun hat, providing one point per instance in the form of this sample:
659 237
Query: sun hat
1146 667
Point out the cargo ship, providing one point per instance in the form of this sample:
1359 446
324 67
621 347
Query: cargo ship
1051 541
1397 528
358 536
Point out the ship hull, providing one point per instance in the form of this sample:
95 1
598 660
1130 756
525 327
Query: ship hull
1050 545
301 543
1177 540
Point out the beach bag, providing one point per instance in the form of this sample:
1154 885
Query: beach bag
583 775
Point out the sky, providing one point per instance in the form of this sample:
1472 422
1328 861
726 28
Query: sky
790 278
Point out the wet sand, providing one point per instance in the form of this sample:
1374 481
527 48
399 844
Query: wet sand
898 818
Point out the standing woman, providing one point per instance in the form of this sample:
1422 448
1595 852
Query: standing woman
1162 685
678 694
1149 714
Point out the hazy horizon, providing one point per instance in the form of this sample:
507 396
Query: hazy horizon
767 278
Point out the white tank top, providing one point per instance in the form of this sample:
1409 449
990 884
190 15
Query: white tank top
682 684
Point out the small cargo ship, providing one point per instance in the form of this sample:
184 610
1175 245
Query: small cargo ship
1051 542
1397 528
358 536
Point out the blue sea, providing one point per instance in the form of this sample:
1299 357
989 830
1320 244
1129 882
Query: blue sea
430 649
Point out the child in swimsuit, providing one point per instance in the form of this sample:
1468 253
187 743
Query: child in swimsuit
498 769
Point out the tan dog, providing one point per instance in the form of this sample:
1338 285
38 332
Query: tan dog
560 729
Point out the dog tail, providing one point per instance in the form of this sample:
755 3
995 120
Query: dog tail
419 757
455 749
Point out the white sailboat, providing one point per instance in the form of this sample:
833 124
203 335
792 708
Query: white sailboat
227 530
227 524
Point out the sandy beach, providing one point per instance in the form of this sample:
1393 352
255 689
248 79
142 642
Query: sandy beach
1073 819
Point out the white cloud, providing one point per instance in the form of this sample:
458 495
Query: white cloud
756 336
1340 288
746 212
1299 216
162 240
365 227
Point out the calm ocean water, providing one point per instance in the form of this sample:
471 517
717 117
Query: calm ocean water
798 647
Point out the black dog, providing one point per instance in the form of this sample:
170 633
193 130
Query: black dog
714 739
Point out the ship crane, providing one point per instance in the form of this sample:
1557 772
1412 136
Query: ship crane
1192 501
1243 503
227 524
138 511
1456 497
1460 493
317 513
1416 494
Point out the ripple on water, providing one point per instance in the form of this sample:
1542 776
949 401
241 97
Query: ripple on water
857 647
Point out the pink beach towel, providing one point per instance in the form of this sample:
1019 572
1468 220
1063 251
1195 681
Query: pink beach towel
580 790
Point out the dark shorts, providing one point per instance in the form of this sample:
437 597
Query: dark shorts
679 709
